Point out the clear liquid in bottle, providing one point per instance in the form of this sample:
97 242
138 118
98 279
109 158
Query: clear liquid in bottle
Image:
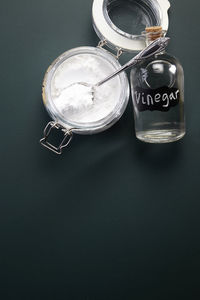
157 86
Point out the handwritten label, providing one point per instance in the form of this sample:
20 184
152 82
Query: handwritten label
161 99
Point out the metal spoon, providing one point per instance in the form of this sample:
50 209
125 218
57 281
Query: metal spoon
155 47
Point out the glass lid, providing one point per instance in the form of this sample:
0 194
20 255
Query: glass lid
121 22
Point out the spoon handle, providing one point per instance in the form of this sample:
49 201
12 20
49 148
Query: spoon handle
155 47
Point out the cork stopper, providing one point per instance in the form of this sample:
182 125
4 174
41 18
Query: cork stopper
153 32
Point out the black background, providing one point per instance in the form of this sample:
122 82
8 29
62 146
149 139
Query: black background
112 218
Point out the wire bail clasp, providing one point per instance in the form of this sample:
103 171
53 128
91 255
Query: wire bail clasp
68 134
103 43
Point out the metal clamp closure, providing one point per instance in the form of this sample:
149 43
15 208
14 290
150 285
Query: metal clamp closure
103 43
68 134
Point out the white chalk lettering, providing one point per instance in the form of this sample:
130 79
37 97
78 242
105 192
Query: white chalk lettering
143 102
177 92
149 100
165 98
172 96
157 97
152 99
137 95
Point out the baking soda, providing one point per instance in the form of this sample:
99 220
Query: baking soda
74 101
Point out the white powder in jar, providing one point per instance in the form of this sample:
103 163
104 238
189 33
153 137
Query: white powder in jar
74 102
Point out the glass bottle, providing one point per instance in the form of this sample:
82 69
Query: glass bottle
157 86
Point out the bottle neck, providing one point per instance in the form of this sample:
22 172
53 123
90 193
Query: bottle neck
153 33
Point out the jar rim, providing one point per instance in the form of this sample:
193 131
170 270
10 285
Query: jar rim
117 38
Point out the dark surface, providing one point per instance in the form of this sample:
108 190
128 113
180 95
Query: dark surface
112 218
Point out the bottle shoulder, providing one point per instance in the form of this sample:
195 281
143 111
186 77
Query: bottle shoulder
169 57
165 56
158 71
161 60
